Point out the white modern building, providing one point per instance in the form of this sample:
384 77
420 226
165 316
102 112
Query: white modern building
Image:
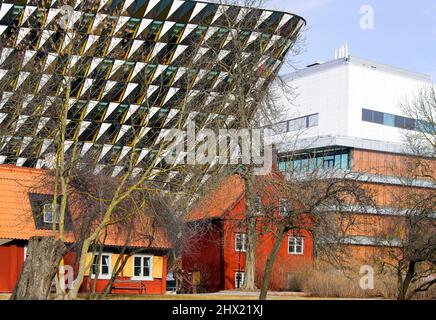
347 114
348 102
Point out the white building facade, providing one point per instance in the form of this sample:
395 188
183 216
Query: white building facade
347 103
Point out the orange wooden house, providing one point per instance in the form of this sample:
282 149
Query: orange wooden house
216 255
25 211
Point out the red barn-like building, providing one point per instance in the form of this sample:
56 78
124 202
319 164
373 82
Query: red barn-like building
216 255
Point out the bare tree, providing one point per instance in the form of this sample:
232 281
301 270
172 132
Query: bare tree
422 110
315 201
411 255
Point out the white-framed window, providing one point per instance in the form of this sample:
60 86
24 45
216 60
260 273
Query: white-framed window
257 205
284 207
47 213
142 267
105 271
25 251
240 242
295 245
239 279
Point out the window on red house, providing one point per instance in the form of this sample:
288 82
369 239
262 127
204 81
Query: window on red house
47 211
240 242
239 279
285 207
295 245
103 266
257 206
142 267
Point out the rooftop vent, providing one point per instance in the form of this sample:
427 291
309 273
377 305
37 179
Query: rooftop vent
342 52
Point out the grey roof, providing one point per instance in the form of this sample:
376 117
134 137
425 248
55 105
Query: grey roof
358 61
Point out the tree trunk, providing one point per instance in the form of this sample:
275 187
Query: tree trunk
251 237
402 294
250 256
270 263
39 269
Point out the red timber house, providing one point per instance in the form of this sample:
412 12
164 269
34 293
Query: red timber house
24 214
216 256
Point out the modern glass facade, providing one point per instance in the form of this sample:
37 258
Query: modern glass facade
131 63
296 124
396 121
324 159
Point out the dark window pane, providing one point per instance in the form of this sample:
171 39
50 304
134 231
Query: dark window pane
378 117
104 270
410 124
146 272
400 122
137 262
366 115
137 271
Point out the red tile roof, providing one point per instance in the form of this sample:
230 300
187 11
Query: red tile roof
17 221
219 201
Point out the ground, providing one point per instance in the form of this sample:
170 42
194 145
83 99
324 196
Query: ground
223 295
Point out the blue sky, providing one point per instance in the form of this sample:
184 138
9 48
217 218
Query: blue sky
404 33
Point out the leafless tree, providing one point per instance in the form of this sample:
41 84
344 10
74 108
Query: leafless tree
411 255
316 201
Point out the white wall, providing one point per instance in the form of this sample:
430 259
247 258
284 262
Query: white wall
382 91
338 91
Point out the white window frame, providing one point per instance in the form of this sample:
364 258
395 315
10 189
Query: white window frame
49 211
295 245
25 251
100 275
244 242
150 277
284 203
242 278
258 202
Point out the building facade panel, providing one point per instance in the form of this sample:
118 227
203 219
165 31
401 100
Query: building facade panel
128 70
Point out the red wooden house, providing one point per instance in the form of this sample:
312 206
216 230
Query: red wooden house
23 203
217 249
